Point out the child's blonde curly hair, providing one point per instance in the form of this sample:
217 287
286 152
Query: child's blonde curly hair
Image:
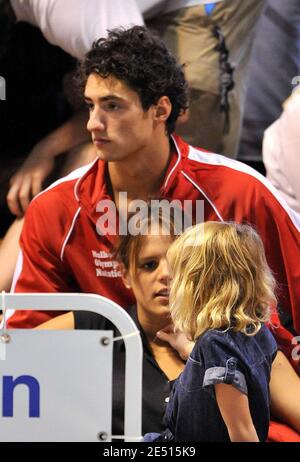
221 279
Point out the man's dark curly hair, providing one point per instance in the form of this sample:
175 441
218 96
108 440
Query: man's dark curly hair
143 62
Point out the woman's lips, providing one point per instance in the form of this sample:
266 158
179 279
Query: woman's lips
163 293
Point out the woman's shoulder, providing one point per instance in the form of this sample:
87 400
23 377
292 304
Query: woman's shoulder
94 321
91 321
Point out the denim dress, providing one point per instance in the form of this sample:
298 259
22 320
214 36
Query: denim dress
221 357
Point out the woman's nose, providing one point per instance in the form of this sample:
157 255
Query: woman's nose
164 271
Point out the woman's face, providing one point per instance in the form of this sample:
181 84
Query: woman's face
150 283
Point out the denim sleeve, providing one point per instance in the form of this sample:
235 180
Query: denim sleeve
225 374
221 361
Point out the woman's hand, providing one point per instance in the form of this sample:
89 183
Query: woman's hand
177 340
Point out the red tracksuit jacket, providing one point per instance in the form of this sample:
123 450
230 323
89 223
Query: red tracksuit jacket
61 250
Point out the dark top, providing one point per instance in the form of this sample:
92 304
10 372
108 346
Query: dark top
233 358
156 386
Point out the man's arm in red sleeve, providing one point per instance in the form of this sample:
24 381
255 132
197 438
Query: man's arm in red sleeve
279 228
39 268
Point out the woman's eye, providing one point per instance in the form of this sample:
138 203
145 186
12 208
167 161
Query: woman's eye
150 265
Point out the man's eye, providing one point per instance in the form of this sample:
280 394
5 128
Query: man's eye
150 265
112 106
89 106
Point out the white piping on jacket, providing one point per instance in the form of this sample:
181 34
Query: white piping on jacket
177 162
90 165
17 272
203 193
69 234
217 159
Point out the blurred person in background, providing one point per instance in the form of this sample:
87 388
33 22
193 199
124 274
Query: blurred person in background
214 41
275 61
281 151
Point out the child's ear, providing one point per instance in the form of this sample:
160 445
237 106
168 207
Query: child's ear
126 278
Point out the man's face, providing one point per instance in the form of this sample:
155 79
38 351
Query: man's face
117 122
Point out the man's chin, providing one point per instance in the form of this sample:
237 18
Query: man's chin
104 154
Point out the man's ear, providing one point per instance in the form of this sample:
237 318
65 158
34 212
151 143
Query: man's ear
126 278
162 109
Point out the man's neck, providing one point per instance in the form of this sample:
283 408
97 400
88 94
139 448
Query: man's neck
141 175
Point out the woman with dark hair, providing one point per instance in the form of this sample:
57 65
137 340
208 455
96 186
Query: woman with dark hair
145 270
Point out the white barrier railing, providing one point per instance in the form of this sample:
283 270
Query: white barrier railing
118 316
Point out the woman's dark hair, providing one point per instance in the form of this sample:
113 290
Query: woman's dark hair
142 61
159 217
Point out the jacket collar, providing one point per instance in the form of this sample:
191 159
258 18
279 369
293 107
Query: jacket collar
92 187
179 152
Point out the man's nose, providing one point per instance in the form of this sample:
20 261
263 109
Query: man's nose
96 121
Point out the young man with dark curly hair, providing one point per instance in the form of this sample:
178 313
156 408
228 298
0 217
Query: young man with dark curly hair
135 92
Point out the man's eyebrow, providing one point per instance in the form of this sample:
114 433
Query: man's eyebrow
104 98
